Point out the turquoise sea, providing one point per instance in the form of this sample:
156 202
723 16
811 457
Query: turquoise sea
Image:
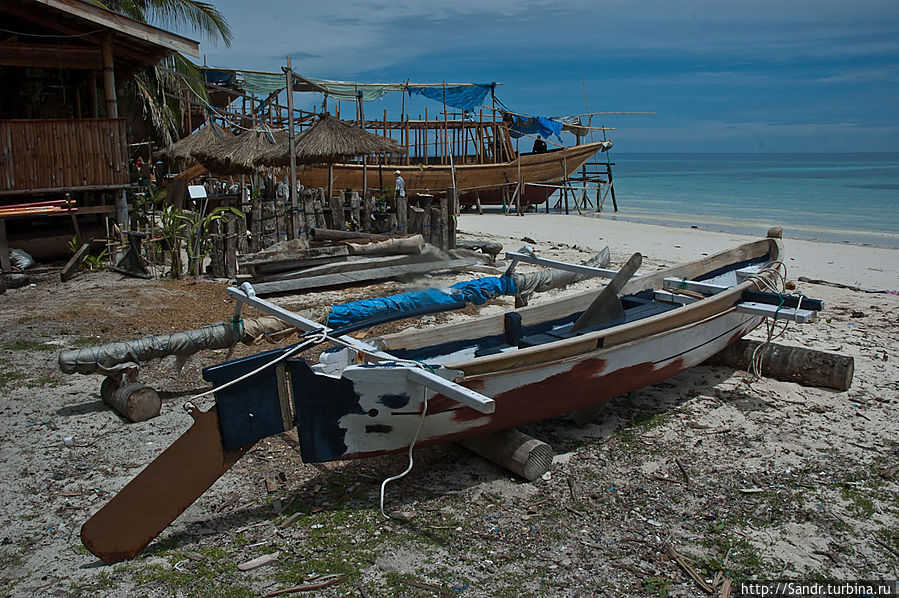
831 197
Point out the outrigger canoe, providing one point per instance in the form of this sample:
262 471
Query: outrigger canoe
445 383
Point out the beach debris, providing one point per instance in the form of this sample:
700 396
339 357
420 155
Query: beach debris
231 501
426 586
404 516
849 287
73 266
682 562
519 453
790 364
260 561
491 248
327 580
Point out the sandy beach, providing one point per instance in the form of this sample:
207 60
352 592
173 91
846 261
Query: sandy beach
855 265
738 478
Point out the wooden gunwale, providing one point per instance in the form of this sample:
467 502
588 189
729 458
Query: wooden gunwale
594 352
531 315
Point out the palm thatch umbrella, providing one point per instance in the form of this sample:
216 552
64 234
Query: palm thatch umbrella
238 155
326 142
206 135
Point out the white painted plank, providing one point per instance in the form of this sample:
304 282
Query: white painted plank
771 311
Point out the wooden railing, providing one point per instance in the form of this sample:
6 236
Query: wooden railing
59 155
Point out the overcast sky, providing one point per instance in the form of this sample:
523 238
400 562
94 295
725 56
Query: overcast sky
756 76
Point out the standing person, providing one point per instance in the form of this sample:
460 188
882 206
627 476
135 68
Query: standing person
400 185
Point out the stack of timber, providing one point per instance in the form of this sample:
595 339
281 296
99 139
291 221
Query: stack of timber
337 258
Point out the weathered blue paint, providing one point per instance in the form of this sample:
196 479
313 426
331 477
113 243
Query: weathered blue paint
249 410
320 402
394 401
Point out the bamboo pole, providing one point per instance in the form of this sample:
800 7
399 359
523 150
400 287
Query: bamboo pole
445 125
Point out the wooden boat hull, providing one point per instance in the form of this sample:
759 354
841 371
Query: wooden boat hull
548 167
527 395
527 384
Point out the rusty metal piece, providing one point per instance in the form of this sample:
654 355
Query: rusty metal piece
161 492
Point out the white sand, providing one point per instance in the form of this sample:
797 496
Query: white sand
868 267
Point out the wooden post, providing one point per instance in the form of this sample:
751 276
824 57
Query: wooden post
612 186
92 95
291 145
216 268
338 221
365 174
434 214
308 210
452 201
416 221
355 202
319 214
402 215
368 205
112 107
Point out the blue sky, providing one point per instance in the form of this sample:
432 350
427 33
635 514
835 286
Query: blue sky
759 76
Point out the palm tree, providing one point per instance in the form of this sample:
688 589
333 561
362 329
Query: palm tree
175 76
202 17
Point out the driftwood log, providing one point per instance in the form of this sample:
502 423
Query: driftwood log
519 453
489 247
367 276
135 402
326 234
790 364
405 245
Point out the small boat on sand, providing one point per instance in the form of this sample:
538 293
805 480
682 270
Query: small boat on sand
449 382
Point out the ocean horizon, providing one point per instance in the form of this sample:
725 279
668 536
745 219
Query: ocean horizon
837 198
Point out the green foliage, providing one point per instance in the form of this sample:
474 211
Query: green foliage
657 586
154 89
197 233
88 262
173 227
193 230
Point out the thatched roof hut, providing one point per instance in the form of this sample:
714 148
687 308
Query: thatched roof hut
239 154
207 135
326 142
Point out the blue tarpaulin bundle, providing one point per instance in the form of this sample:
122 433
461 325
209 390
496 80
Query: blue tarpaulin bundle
476 291
523 124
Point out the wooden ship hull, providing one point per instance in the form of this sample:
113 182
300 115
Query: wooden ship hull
482 375
484 182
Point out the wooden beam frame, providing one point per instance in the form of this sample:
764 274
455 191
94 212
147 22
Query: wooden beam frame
123 25
28 55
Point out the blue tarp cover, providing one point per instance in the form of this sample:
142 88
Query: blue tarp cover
523 124
475 291
464 97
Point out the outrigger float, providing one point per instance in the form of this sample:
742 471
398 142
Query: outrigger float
449 382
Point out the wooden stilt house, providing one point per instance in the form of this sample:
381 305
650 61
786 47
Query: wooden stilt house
61 63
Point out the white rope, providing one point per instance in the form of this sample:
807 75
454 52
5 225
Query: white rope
424 411
761 280
314 340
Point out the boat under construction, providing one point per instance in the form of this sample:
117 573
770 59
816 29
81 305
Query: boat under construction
471 144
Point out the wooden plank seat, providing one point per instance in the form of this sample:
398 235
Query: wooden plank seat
636 307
